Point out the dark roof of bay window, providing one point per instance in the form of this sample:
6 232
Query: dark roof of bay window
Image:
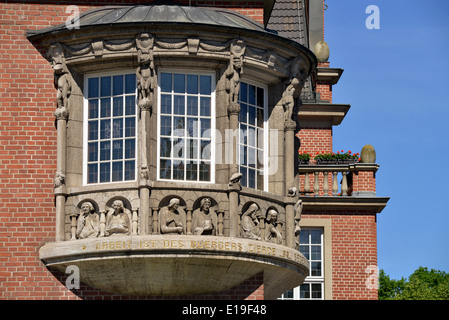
141 14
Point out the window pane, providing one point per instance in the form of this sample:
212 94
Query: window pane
316 252
244 173
130 105
105 172
315 236
93 130
130 127
105 129
92 173
117 85
117 106
243 116
166 83
315 269
117 171
192 127
251 178
178 170
179 105
179 83
205 85
192 84
117 127
205 128
260 98
316 291
105 86
205 107
117 149
205 150
192 170
130 149
204 171
179 125
130 83
130 169
105 150
252 116
243 155
93 87
304 291
166 126
243 92
304 237
93 151
165 169
165 147
304 249
192 149
93 109
251 94
105 107
192 106
166 104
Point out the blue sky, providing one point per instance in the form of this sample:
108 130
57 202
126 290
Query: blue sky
395 79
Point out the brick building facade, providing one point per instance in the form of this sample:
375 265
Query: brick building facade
344 219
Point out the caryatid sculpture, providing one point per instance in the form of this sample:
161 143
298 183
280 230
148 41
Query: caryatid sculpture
235 70
294 85
88 225
62 79
298 212
145 70
272 234
250 223
204 221
172 219
118 220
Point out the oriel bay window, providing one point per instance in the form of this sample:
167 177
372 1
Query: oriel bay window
186 126
110 128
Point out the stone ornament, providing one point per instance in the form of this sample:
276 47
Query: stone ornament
204 219
293 87
88 225
298 212
235 70
250 223
172 218
118 220
62 81
145 71
272 233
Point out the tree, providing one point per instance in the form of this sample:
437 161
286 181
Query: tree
421 285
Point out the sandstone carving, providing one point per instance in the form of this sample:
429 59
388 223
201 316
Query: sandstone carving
250 223
204 221
172 219
272 233
62 80
88 225
298 212
118 220
235 70
145 70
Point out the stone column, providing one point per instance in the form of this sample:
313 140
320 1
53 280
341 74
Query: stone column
290 154
234 192
290 222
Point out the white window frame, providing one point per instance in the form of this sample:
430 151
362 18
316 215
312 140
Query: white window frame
266 129
86 127
212 118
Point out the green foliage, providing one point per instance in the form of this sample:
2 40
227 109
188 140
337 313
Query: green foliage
421 285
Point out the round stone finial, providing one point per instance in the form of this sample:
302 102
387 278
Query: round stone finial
368 154
321 51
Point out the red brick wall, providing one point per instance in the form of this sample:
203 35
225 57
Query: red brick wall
315 140
354 248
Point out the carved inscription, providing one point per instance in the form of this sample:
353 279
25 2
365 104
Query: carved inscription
192 245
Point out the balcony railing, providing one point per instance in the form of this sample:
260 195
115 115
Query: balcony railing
332 180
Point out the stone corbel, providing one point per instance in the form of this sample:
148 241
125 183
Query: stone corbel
97 48
193 44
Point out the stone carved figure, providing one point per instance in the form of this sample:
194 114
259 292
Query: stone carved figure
204 220
272 234
235 70
62 80
293 87
298 212
59 179
172 219
145 71
88 225
118 220
250 223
